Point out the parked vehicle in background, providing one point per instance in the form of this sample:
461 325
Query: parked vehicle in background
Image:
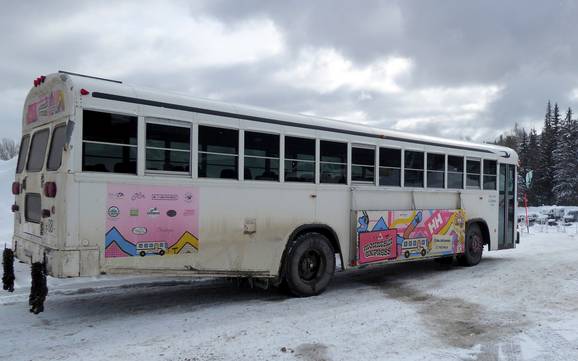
556 212
571 216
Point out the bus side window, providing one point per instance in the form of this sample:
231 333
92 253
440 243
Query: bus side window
473 173
56 147
362 165
333 163
23 153
168 148
436 169
414 169
261 156
455 172
490 172
299 160
109 142
218 152
389 167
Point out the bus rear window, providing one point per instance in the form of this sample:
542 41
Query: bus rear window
56 147
37 151
23 153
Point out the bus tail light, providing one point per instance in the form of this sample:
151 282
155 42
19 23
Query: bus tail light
50 189
15 188
84 92
15 208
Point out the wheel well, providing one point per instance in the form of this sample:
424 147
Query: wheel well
483 227
323 229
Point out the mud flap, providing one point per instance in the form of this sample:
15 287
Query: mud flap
38 289
8 275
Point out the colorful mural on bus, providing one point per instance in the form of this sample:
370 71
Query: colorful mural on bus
402 235
151 220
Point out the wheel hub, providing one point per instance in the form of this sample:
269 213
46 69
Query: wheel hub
476 244
309 265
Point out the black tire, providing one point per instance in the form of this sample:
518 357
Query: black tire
142 253
474 247
161 252
309 265
406 254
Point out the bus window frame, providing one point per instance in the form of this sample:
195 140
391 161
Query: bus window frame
197 152
280 158
463 172
367 146
43 163
315 160
80 119
59 125
401 157
423 170
24 160
480 161
172 123
347 143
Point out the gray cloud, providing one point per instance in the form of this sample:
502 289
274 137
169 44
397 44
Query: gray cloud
476 67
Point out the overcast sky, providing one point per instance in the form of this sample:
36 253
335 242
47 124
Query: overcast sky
458 69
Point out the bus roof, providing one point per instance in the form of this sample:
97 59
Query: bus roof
118 91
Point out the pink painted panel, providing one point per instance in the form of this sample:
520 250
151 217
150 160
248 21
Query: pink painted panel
151 220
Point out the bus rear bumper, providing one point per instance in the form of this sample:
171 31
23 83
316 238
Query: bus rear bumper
59 263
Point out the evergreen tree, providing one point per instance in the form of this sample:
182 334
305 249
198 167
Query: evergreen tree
533 164
523 168
564 172
544 176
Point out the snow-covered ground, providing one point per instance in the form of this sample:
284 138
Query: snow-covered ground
519 304
7 169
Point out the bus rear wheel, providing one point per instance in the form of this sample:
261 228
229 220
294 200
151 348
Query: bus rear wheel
309 265
474 247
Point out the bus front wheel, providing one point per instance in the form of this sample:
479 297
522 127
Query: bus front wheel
474 247
310 265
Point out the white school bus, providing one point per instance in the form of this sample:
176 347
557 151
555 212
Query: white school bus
108 172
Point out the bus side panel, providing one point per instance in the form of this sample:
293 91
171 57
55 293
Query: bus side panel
240 229
484 205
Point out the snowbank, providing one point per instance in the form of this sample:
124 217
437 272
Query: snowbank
7 170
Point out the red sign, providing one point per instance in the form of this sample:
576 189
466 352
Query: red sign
377 246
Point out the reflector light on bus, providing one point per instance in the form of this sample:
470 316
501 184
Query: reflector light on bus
50 189
15 208
39 80
84 92
15 188
45 213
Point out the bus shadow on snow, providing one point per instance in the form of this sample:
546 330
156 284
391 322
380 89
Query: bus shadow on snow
190 296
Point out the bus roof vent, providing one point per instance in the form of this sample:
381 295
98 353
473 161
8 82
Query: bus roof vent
88 76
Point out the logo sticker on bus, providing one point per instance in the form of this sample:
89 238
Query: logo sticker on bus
164 197
113 211
188 197
137 196
139 231
153 212
171 213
